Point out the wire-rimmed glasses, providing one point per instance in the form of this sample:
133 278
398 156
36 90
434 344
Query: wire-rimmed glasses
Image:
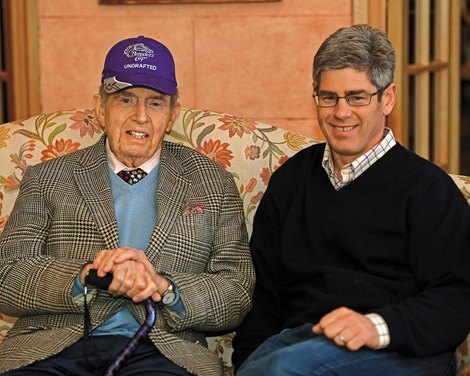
355 99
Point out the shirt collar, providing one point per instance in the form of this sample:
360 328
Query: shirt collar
353 170
116 165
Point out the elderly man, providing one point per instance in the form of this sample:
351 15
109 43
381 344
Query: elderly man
164 221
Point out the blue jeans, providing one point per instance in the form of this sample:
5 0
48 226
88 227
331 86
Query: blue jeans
299 351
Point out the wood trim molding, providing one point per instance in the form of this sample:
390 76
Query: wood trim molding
24 58
369 12
399 118
360 11
454 89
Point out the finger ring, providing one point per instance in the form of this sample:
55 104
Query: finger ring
342 339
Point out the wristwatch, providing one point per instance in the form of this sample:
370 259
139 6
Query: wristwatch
169 296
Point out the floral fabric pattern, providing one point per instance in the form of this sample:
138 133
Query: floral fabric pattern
251 151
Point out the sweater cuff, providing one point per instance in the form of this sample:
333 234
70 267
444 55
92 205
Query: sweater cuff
382 329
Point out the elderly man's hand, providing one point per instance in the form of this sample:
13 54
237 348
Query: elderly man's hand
133 274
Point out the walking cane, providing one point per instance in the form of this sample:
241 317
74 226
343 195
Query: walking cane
92 279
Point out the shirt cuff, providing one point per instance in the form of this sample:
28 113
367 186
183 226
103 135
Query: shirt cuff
78 291
77 287
382 329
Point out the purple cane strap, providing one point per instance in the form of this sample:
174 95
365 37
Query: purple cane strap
138 337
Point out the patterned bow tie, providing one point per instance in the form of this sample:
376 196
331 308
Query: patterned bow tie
132 176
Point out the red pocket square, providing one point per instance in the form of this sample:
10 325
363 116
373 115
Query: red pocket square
192 209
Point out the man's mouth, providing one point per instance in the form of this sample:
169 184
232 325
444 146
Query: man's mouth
343 129
137 134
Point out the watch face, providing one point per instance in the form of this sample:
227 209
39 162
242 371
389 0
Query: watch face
169 297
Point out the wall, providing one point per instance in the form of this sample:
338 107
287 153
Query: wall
252 60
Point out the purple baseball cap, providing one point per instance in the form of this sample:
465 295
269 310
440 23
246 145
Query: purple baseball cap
139 61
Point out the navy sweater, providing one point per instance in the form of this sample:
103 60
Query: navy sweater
395 241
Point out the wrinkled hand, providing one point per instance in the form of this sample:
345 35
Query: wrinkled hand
348 328
133 274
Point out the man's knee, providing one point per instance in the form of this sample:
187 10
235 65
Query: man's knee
281 362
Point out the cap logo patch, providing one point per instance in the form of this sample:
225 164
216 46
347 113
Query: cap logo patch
138 51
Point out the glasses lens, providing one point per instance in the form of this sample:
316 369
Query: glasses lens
327 100
362 99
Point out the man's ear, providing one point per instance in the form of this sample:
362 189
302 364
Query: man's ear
173 116
389 98
98 106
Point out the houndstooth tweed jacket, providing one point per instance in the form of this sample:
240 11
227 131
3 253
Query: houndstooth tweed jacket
64 214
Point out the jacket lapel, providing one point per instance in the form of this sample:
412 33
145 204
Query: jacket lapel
171 197
96 191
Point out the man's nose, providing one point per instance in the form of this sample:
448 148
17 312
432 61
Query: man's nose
342 108
141 113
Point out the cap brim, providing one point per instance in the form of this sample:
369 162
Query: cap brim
117 83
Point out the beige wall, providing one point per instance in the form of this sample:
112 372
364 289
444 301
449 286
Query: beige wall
252 60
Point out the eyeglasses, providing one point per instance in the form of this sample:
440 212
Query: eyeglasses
355 100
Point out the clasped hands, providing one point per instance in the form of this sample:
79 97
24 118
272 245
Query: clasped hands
133 274
348 328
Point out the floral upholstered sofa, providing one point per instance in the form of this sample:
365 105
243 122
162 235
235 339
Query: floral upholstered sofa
250 150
